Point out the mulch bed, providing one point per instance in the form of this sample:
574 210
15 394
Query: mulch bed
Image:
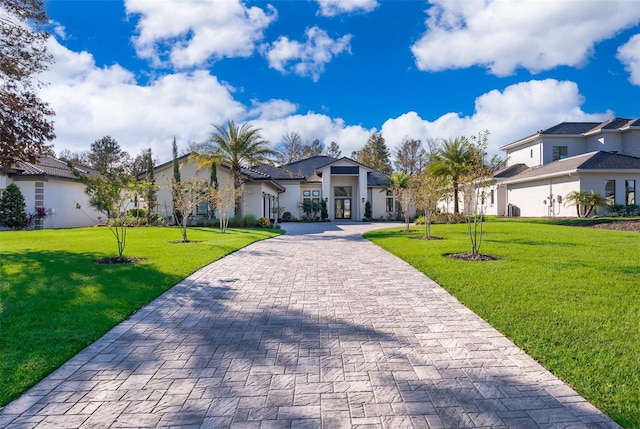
433 237
620 225
118 260
470 257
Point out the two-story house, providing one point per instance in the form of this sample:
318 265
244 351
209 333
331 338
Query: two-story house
546 166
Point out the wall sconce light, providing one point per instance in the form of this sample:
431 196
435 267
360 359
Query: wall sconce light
363 199
326 200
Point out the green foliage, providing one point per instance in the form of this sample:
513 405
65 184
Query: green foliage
137 212
375 154
12 208
367 211
264 222
236 146
616 210
56 301
324 213
249 221
151 191
107 155
310 209
586 202
26 124
287 217
569 304
450 161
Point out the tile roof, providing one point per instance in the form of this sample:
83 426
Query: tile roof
307 167
570 128
510 171
592 161
48 166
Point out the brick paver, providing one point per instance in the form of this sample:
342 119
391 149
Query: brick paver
307 330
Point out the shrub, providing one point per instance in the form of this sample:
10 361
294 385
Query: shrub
12 208
419 220
632 210
137 212
367 211
264 222
249 221
287 217
616 210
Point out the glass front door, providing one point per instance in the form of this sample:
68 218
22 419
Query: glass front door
343 208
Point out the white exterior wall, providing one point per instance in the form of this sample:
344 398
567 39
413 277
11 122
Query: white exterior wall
61 196
596 183
254 199
529 197
378 199
575 146
631 143
530 155
290 198
610 142
188 171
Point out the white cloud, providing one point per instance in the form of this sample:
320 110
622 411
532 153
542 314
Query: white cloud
313 126
518 111
503 35
337 7
629 55
91 102
309 58
190 33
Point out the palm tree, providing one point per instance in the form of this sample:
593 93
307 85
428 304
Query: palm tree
238 146
585 202
451 160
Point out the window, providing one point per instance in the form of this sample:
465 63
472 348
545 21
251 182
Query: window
342 191
202 209
610 191
531 153
560 152
306 193
315 193
492 197
630 192
393 206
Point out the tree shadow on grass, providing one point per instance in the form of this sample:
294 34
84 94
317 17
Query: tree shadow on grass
53 304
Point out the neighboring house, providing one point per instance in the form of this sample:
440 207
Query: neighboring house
344 184
50 184
546 166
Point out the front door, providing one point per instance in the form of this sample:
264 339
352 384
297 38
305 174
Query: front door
343 208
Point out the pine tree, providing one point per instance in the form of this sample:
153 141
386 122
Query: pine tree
151 192
176 179
375 154
12 208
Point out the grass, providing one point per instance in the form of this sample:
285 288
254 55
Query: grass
568 296
55 301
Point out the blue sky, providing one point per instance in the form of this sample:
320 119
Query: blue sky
144 71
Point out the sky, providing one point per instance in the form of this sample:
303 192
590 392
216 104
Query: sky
148 71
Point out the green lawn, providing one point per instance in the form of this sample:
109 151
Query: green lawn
55 301
568 296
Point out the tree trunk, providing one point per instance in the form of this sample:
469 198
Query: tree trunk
237 185
456 209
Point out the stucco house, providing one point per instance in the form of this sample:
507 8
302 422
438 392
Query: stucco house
344 184
50 184
544 167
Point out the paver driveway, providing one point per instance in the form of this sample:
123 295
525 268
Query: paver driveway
307 330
